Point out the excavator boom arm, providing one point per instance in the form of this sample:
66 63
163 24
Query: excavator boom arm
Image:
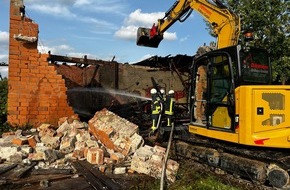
225 23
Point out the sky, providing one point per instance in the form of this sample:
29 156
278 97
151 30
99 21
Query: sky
103 29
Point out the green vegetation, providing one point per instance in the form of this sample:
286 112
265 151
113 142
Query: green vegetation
190 176
3 105
269 20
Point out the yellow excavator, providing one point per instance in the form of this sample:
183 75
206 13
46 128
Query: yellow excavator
231 98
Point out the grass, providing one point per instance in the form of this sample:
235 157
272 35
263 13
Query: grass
191 176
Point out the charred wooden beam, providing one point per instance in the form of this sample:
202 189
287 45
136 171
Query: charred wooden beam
4 64
95 178
79 61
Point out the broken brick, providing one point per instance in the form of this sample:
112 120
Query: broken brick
113 131
19 141
118 157
95 156
31 141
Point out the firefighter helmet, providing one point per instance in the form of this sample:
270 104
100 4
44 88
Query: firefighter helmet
153 91
171 92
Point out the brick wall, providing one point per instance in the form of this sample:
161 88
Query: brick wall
36 93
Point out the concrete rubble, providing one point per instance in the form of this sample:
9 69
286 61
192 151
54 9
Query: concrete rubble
106 141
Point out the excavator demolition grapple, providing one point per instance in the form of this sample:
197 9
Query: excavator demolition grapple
238 120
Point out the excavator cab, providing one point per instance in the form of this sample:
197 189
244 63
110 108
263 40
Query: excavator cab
148 37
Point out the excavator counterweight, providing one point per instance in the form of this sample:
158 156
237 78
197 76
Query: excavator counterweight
145 39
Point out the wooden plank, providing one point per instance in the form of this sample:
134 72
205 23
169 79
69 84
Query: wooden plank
104 179
51 171
38 178
6 167
65 184
92 180
19 171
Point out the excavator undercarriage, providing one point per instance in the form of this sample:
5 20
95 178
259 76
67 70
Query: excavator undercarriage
263 167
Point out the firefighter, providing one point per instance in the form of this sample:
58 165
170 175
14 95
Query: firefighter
169 107
156 107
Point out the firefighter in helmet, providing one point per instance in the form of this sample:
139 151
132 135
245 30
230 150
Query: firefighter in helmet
169 107
156 107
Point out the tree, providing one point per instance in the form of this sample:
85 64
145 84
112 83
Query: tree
3 101
270 22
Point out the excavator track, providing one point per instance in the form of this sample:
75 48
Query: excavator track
267 167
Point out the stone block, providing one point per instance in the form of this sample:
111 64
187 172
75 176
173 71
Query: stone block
37 156
120 170
141 160
95 156
136 142
26 149
51 142
40 147
73 131
15 158
92 143
118 157
78 124
50 155
43 126
65 126
47 132
158 158
80 145
159 149
67 144
7 151
62 120
18 132
83 136
149 160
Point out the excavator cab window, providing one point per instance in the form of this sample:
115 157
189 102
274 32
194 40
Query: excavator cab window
255 67
214 91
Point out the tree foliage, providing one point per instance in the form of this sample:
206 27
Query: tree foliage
270 22
3 101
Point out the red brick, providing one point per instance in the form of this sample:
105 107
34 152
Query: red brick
19 141
95 156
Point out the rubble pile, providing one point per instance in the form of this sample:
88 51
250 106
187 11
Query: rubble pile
109 142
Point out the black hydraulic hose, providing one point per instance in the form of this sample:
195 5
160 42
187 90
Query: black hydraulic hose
187 15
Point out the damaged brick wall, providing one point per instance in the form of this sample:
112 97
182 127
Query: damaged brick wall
36 93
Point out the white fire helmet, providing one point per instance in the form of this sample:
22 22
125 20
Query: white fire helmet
171 92
153 91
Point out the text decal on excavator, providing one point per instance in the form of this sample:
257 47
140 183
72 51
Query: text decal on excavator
259 66
202 9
